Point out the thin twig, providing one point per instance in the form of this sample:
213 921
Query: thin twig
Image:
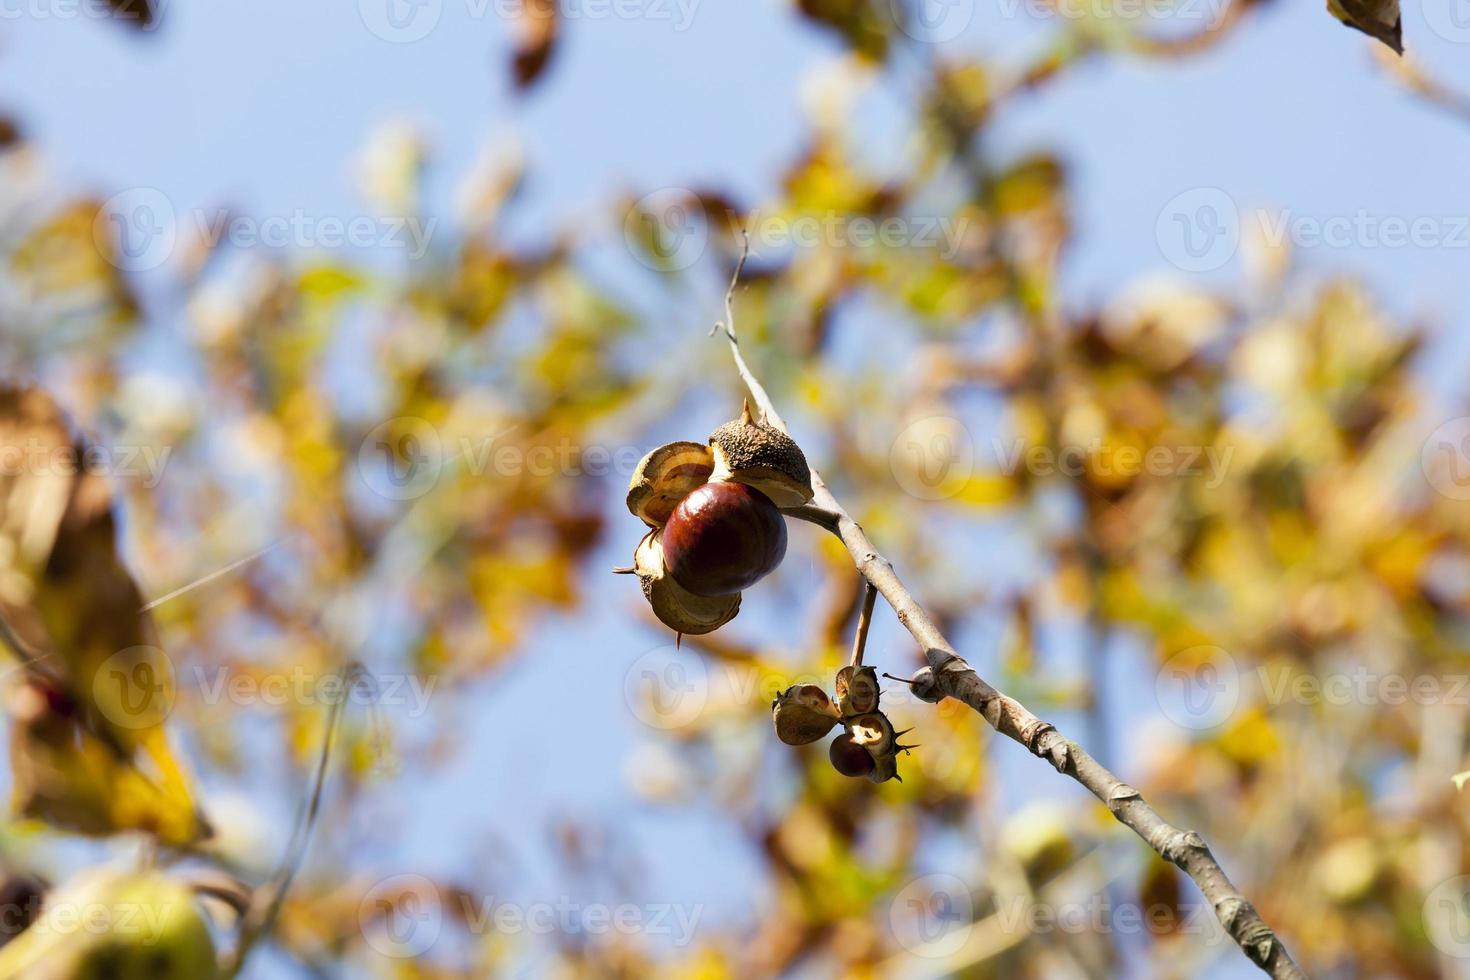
729 322
263 920
948 675
865 619
1417 80
1191 44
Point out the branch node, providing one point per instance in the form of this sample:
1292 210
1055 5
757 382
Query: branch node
1121 793
1047 743
1181 843
1244 923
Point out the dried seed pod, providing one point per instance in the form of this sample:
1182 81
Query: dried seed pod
722 538
761 456
874 733
666 476
850 758
803 714
857 690
885 767
676 607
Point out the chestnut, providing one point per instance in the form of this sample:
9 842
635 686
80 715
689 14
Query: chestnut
722 538
850 758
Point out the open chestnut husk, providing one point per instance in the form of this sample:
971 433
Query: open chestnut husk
666 476
874 733
803 714
675 606
715 513
857 690
760 455
722 538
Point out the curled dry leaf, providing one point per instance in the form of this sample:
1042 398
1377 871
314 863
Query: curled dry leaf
88 717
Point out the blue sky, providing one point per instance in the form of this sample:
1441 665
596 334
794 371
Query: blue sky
266 105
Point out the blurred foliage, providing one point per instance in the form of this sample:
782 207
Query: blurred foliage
1313 547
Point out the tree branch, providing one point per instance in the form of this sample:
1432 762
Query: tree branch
948 675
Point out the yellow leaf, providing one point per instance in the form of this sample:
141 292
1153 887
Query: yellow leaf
104 688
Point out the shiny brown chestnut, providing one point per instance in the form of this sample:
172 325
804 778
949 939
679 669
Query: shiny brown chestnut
850 758
722 538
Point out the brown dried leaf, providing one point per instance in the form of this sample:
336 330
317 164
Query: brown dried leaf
1376 18
137 13
858 21
104 688
536 28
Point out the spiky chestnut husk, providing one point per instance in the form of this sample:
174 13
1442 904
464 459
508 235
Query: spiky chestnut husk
666 476
874 733
761 456
857 690
677 608
803 714
850 758
722 538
